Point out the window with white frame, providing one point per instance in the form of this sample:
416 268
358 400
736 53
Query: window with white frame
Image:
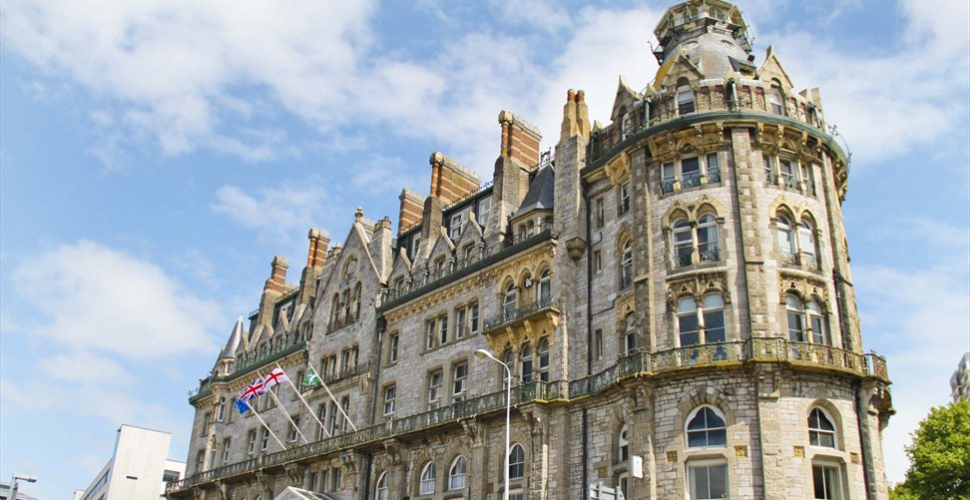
687 322
626 264
690 171
435 381
769 168
457 474
597 261
796 318
789 173
508 302
545 287
629 334
509 359
776 100
322 417
345 404
623 446
827 481
225 450
460 322
818 324
706 429
264 441
292 432
484 207
707 479
713 167
708 242
429 334
221 410
600 211
251 444
787 246
683 238
624 197
473 317
335 479
626 125
392 347
516 462
459 381
525 363
455 228
806 244
685 99
427 479
821 430
542 355
390 396
443 328
382 492
667 176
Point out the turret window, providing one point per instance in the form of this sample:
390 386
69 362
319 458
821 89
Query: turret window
545 287
629 334
821 430
685 100
806 322
706 429
701 323
776 100
689 171
706 235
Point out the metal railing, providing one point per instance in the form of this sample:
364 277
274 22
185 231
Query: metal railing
636 365
524 311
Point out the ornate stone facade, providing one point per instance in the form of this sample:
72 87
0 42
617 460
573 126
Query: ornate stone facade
671 292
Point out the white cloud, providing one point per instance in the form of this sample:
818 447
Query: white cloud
93 298
281 213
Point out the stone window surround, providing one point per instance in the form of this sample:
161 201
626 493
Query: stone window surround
678 213
672 185
803 170
796 216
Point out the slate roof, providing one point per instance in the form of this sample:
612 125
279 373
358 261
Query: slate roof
541 195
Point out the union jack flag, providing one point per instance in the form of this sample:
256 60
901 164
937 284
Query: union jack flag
257 388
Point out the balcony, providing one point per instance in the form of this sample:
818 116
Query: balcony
636 365
342 322
532 310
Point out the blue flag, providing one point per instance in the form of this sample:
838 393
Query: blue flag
241 405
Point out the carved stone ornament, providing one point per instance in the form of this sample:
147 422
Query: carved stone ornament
805 287
697 285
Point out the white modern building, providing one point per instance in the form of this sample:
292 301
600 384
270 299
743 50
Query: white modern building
139 469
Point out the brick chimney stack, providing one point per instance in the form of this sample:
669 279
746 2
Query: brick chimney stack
315 260
575 116
272 290
520 140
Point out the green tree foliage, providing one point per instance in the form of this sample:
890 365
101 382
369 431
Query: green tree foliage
939 456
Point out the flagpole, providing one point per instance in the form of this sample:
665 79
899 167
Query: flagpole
271 433
305 403
339 407
280 406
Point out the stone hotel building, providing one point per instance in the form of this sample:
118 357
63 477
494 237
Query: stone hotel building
671 291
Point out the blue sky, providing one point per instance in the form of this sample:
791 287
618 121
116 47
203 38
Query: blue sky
154 156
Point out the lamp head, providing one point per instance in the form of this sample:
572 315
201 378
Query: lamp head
23 477
481 354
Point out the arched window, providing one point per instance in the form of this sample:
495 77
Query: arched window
456 477
687 324
626 264
545 287
683 243
335 310
806 243
543 354
708 245
713 309
816 321
221 410
508 302
427 479
776 100
821 430
525 365
705 429
516 462
623 446
786 238
382 490
357 294
796 318
685 98
509 359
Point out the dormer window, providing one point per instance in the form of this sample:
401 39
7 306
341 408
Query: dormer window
455 229
776 100
685 99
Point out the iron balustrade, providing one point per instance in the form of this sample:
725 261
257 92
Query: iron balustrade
636 365
691 180
526 310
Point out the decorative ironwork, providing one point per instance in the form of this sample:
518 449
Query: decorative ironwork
526 310
637 364
691 180
712 254
714 175
668 186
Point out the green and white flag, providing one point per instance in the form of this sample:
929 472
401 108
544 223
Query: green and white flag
311 378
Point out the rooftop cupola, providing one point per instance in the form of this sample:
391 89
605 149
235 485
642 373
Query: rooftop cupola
708 32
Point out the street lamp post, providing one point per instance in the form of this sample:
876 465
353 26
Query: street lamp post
13 484
482 354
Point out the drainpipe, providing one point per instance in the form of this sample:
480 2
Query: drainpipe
863 441
646 113
589 329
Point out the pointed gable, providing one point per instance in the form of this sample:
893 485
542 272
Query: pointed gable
771 69
624 101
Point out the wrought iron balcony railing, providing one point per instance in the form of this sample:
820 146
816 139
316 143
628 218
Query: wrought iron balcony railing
636 365
691 180
511 315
